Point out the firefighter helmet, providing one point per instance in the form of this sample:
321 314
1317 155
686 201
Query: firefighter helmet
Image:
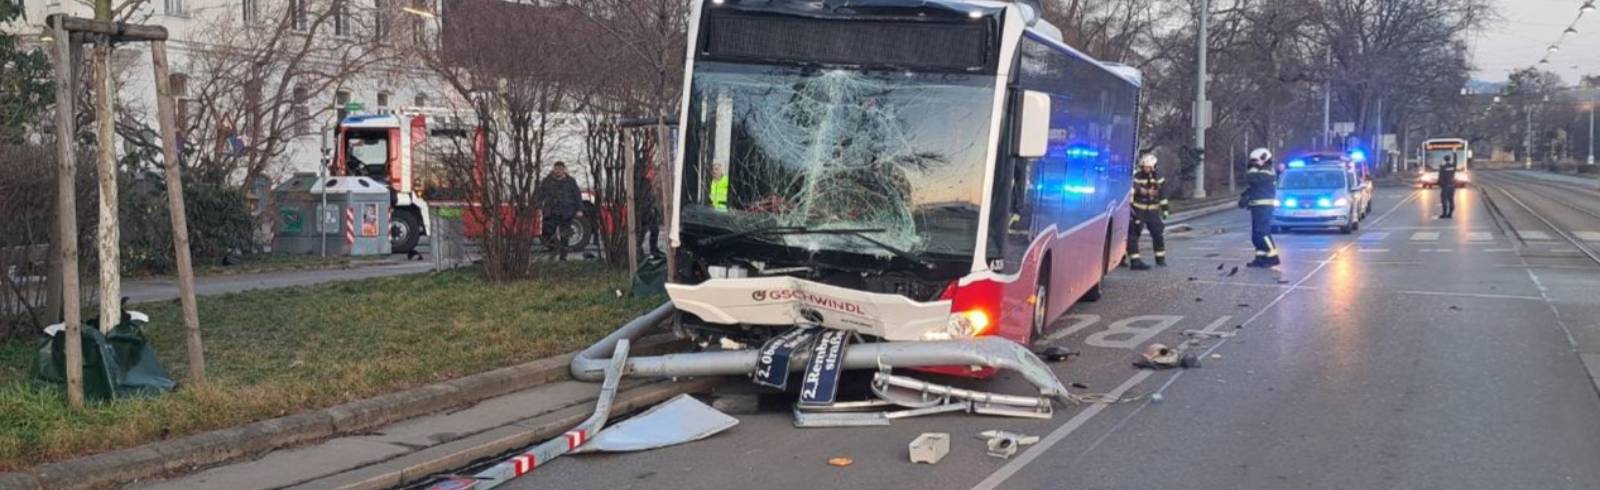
1261 155
1148 160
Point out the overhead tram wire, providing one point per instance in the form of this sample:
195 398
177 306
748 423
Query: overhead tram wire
1572 29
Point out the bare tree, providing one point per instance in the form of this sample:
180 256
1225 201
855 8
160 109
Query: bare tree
523 68
251 93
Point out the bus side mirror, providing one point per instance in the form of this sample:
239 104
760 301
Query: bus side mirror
1033 128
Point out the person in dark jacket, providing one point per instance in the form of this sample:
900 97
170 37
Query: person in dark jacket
1150 211
647 209
1447 187
1261 198
560 202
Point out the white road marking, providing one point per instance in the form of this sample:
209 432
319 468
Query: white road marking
1534 235
1374 250
1123 334
1011 468
1470 295
1499 250
1425 236
1374 236
1480 236
1081 322
1588 236
1437 250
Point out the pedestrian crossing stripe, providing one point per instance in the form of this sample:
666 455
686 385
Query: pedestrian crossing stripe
1589 236
1424 236
1534 235
1480 236
1374 236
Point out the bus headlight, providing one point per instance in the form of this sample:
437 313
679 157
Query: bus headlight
968 324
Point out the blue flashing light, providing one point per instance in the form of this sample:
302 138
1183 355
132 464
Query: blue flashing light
1297 163
1358 155
1324 202
1082 152
1079 189
1291 203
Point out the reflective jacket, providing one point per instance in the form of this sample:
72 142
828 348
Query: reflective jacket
1263 187
719 193
1147 195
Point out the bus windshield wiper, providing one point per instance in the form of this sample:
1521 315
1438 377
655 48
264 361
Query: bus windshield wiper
800 230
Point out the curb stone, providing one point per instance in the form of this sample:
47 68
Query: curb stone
19 481
112 469
499 441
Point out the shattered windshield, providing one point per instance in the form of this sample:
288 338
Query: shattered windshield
899 152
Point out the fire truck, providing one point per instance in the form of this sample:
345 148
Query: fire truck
402 147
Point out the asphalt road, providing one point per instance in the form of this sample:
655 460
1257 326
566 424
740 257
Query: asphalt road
1416 353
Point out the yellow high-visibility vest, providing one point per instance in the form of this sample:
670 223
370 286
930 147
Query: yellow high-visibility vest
719 193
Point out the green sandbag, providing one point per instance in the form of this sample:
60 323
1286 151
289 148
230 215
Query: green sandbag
651 279
119 365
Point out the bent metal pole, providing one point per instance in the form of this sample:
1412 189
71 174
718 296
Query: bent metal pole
525 462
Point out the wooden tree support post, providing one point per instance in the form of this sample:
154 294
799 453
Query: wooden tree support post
629 166
67 213
176 209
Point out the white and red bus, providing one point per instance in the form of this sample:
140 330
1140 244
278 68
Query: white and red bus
912 170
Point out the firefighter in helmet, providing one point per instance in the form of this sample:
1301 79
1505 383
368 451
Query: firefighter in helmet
1150 211
1261 198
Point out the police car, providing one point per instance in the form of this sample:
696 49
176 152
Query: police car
1322 191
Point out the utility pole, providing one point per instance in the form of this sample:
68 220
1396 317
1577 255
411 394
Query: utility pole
1591 129
1202 107
1327 106
1527 141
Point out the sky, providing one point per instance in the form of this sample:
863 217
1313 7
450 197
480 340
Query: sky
1525 30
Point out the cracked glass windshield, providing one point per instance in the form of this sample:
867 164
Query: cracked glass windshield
898 153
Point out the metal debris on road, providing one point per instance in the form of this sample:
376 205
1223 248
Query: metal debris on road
930 447
1004 444
680 420
525 462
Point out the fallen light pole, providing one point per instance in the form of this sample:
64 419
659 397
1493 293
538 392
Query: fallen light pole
526 461
989 352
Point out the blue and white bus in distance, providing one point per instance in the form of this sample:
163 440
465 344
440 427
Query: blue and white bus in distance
910 170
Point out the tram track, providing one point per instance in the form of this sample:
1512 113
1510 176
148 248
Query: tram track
1504 184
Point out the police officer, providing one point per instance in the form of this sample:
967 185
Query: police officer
1150 211
1447 187
1261 198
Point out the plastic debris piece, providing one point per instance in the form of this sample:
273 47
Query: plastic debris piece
680 420
930 447
841 462
1055 354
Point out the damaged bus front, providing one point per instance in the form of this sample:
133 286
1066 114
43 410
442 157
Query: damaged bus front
906 170
909 170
